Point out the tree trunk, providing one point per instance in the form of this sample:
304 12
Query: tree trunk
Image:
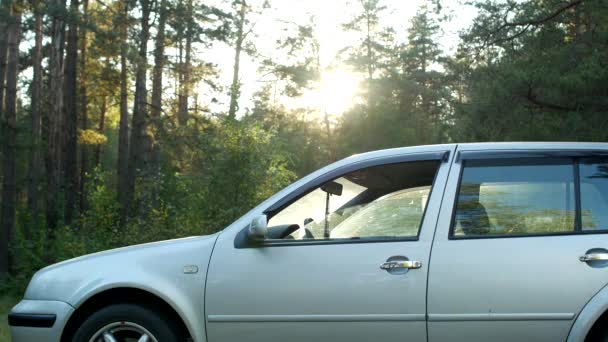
9 145
157 91
370 56
235 88
4 30
34 166
180 72
185 81
123 130
101 129
84 150
71 116
53 128
139 138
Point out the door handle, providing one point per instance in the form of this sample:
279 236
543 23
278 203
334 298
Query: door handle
401 264
594 257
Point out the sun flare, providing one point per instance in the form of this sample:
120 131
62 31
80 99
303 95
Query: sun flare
338 90
334 93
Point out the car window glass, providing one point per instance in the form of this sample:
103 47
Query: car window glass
395 214
594 194
385 201
515 198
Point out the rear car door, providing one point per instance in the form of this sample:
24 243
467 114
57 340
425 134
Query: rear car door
521 244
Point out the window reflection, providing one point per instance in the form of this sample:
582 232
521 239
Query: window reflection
496 198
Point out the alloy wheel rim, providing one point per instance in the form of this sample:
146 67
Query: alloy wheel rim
123 331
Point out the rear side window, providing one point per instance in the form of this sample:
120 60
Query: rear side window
516 197
594 194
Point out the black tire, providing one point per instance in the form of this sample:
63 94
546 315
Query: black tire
154 322
598 334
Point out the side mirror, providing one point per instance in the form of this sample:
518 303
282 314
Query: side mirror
258 228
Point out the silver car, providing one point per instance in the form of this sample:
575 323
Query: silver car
469 242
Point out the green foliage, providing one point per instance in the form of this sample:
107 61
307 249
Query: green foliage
6 303
407 101
91 137
540 78
241 165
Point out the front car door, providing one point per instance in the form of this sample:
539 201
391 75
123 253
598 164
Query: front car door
320 277
514 225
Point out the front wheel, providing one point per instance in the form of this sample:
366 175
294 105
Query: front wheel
126 323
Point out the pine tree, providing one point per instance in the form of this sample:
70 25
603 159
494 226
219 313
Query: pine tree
9 141
365 56
421 53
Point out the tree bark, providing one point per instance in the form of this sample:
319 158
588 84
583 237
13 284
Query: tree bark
84 150
53 158
71 116
101 129
9 145
186 68
370 54
123 130
157 91
34 165
4 30
139 138
235 88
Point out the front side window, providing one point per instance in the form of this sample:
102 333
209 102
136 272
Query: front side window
381 202
524 197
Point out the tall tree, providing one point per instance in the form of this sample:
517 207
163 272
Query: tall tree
123 129
138 157
186 67
5 15
9 144
84 108
421 52
364 56
71 115
53 127
157 88
238 48
34 164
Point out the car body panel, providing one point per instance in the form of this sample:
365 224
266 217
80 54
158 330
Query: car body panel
157 268
509 288
61 310
322 292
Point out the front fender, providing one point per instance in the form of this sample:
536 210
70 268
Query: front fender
175 271
588 316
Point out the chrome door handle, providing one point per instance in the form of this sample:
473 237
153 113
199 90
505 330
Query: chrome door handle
393 265
594 257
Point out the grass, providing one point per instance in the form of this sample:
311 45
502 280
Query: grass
6 303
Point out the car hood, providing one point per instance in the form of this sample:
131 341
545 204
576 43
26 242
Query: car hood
142 266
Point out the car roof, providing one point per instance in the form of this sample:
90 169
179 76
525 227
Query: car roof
529 145
476 146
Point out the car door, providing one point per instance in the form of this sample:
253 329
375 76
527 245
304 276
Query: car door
367 280
519 244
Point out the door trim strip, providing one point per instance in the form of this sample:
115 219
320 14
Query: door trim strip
316 318
501 317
